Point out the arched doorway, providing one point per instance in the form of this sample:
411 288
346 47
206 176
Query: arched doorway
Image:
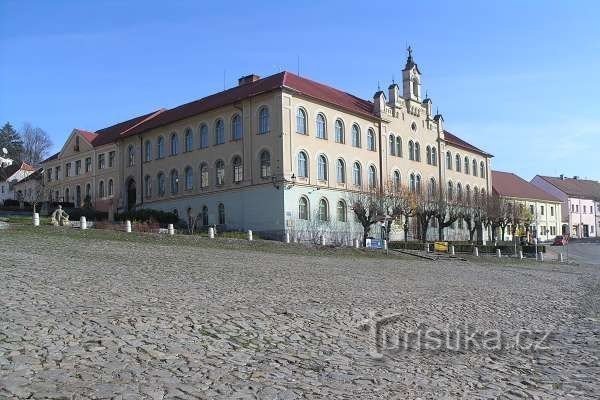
131 194
78 196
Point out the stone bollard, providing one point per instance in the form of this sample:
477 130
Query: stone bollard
520 254
476 251
322 240
385 244
427 247
36 219
560 257
171 229
128 226
541 256
211 233
83 223
249 235
287 237
498 253
452 252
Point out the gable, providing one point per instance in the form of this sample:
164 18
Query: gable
80 138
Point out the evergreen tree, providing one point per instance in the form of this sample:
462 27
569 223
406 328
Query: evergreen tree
10 139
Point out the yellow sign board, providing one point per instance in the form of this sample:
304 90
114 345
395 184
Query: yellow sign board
441 246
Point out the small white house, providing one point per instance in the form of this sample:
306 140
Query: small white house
10 175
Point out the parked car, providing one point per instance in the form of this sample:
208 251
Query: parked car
560 241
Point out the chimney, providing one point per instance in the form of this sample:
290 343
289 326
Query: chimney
248 79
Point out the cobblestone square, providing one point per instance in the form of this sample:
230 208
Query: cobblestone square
89 317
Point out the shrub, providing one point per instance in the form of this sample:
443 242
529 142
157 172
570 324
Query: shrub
148 215
89 213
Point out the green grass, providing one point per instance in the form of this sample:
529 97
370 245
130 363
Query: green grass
29 232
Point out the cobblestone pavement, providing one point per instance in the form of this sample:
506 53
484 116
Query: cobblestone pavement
104 319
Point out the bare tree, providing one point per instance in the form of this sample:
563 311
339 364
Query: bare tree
36 144
427 209
368 209
401 204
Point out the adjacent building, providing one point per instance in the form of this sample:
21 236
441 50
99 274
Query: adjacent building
544 208
30 189
276 154
11 174
580 199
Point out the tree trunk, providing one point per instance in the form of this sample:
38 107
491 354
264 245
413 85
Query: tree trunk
503 229
405 228
440 231
365 234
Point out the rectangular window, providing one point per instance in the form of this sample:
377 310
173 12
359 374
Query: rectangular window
111 159
49 175
78 167
576 207
56 173
542 210
552 211
584 209
572 208
101 161
68 170
88 164
532 210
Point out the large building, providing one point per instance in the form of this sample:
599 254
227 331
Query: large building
580 203
544 209
273 154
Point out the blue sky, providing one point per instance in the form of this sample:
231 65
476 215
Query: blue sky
518 79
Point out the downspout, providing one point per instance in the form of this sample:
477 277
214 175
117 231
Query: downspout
380 160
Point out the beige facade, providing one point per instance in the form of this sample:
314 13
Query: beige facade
273 156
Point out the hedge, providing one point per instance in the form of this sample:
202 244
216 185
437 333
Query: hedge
148 215
90 214
468 248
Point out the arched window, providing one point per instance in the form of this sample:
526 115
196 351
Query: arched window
174 144
474 168
413 183
428 155
371 145
341 211
204 215
189 178
189 140
174 181
147 151
101 193
130 156
457 157
356 174
302 165
68 195
219 132
481 169
221 209
340 168
322 168
418 184
303 208
203 136
466 165
396 181
448 160
110 187
238 169
339 131
321 126
372 177
263 121
160 147
459 192
468 194
392 145
355 136
450 191
88 191
398 146
475 194
203 175
265 164
301 122
147 186
433 156
236 127
417 152
220 172
411 150
432 187
323 210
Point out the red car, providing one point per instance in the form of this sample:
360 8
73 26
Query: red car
560 241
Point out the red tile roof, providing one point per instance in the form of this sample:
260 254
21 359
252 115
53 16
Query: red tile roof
89 136
7 172
114 132
575 187
508 184
458 142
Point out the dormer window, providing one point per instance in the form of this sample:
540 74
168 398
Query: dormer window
76 148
